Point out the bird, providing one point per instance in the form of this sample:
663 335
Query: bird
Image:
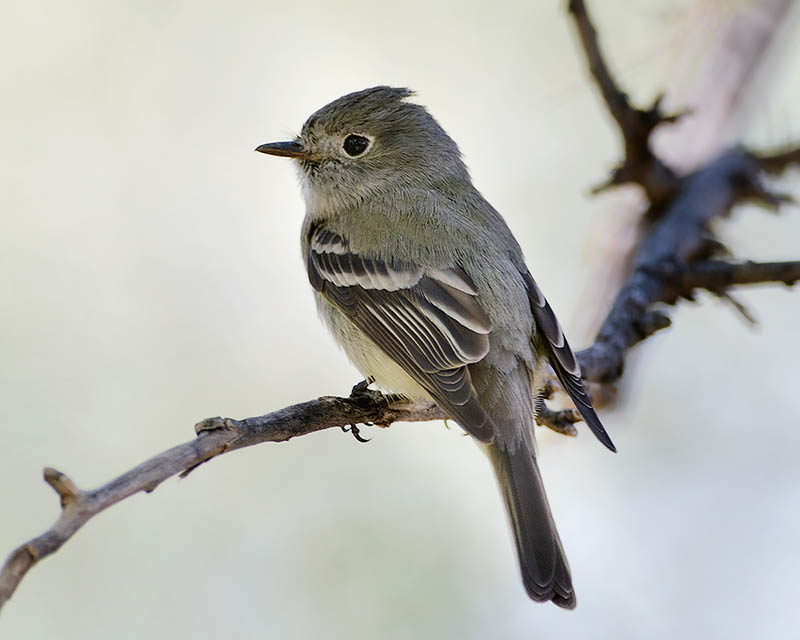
427 291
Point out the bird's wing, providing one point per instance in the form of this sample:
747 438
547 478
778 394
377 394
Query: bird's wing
427 320
562 359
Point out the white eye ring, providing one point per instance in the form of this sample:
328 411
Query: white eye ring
356 144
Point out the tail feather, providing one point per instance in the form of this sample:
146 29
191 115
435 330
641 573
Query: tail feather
545 571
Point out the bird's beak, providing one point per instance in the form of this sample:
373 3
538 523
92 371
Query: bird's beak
286 149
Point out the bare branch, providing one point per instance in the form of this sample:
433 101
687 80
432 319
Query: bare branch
778 161
680 237
737 40
216 436
675 230
640 165
717 276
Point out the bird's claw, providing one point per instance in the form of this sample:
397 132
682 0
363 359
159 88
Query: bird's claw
355 431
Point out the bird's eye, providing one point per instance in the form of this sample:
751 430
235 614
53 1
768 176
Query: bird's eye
355 145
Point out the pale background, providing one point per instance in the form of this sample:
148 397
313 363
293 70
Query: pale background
150 277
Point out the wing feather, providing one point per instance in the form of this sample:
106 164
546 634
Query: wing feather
428 322
562 359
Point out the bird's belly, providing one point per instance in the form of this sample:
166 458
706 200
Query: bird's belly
388 375
367 357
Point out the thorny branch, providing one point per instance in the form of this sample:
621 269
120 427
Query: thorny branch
677 255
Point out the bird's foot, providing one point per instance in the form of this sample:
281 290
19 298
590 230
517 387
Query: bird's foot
363 395
351 428
561 421
366 397
361 387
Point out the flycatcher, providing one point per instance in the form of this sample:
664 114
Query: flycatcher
426 289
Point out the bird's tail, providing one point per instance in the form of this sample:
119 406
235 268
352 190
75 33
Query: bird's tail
545 571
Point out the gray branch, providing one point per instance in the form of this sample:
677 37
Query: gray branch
215 437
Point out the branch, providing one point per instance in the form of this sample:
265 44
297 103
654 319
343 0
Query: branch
680 237
676 228
717 276
737 41
778 161
216 436
640 165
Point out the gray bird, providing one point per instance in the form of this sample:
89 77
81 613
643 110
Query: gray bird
426 289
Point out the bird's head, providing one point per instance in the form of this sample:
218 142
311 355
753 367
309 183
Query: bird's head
367 142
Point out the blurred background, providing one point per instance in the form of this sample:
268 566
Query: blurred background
151 277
